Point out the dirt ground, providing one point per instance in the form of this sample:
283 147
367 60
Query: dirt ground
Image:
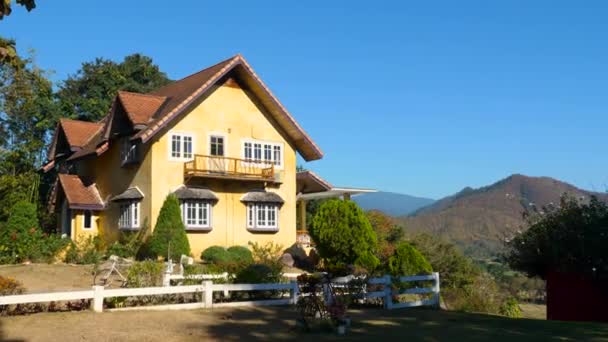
47 278
535 311
278 323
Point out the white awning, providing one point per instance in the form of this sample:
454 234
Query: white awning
333 193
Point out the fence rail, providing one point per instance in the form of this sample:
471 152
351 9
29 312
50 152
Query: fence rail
207 288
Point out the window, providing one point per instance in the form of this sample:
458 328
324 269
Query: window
181 146
86 224
262 216
263 153
129 215
128 152
196 214
216 145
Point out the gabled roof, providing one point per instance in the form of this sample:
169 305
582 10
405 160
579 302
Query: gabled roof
79 194
310 182
181 94
154 111
79 132
140 107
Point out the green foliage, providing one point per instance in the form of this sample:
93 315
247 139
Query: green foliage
407 260
568 238
240 254
128 244
268 253
21 239
510 308
88 94
342 234
84 252
145 274
259 273
455 269
483 295
215 255
169 235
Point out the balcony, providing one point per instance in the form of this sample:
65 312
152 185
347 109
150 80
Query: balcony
220 167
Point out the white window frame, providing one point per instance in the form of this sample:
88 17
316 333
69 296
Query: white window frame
182 146
134 213
197 225
258 216
217 135
84 214
273 145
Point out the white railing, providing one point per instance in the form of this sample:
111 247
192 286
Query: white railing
388 292
207 288
99 293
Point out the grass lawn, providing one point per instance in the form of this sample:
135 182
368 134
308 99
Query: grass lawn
277 323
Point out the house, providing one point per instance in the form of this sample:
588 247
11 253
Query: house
218 139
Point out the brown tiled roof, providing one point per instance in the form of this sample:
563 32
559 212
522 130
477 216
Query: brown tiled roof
159 108
140 107
77 132
79 194
180 94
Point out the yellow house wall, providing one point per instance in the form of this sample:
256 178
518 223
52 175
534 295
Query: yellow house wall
228 110
112 179
78 231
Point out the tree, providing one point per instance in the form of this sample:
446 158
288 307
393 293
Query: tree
388 232
571 237
456 270
6 8
169 235
407 260
88 94
28 115
343 235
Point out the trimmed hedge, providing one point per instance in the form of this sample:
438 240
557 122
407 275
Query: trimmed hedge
215 254
240 254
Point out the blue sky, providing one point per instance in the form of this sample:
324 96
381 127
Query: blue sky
422 99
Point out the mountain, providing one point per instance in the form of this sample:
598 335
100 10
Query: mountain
391 203
479 219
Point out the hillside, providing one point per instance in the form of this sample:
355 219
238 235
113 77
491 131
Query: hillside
391 203
479 219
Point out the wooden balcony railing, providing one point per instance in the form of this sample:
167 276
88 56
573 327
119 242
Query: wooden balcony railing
226 167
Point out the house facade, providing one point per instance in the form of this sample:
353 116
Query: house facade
218 139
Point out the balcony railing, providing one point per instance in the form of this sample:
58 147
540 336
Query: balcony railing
226 167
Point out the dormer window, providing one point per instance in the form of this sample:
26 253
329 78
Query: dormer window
128 152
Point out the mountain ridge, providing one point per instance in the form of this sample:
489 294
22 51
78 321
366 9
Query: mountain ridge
479 219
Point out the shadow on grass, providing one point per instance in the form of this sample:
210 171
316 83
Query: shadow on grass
278 323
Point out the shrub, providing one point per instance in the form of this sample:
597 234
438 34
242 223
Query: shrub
387 231
510 308
240 255
169 235
84 252
456 270
268 253
343 234
259 273
407 260
215 255
145 274
129 244
10 286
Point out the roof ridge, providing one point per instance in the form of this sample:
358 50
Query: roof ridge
237 56
80 121
141 94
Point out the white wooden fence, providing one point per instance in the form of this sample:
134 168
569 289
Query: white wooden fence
98 293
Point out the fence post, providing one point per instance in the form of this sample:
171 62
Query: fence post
97 302
436 289
388 292
208 285
294 292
